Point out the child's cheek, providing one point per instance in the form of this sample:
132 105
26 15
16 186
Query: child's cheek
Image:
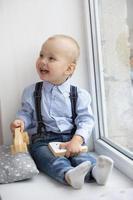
37 64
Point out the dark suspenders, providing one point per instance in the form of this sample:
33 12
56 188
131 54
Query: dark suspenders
37 98
73 99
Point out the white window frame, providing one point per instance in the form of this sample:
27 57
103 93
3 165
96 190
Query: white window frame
121 161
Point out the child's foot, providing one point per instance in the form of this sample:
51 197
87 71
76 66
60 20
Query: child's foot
102 170
75 177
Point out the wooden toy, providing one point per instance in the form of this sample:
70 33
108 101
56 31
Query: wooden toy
57 151
20 142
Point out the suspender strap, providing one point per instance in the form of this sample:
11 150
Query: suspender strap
37 98
73 98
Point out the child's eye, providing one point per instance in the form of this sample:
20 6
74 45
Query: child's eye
51 58
41 55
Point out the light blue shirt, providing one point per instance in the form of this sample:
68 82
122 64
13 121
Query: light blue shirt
56 110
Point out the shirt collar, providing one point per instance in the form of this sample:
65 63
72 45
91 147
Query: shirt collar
48 86
64 87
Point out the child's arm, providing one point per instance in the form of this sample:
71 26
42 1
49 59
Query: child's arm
24 116
85 120
73 146
84 124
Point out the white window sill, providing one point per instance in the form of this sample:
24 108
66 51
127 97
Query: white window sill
123 163
118 187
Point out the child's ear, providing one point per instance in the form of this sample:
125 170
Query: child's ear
70 69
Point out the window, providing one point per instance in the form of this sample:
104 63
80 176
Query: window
116 72
112 49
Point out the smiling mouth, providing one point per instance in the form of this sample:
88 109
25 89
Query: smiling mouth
44 71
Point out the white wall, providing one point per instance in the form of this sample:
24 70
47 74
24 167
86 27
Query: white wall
25 24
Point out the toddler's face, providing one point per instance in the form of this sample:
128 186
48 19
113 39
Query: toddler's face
55 61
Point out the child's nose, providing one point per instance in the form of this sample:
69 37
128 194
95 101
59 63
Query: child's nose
44 60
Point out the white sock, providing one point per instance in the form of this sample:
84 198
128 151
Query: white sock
75 177
102 170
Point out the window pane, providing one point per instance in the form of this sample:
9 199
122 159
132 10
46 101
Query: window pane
116 32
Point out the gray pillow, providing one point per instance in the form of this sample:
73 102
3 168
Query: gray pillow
15 167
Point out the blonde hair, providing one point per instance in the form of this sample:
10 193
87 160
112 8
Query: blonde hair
76 49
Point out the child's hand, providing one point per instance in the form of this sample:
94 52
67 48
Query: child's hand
17 124
73 146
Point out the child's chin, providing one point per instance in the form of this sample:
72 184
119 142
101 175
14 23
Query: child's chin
43 77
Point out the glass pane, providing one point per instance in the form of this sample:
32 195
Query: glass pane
116 30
